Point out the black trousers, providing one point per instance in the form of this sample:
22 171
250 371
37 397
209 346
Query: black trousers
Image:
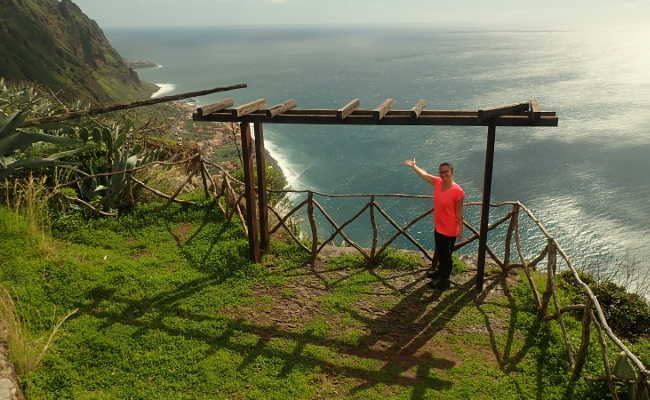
444 248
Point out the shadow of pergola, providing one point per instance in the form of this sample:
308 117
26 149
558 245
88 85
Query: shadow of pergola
397 340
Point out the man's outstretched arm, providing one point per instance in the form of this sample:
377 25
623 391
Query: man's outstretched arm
422 173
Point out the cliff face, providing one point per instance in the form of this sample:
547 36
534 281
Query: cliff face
54 43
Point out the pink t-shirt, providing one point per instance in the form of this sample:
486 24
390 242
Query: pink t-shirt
444 206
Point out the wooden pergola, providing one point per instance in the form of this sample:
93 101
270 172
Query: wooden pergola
258 113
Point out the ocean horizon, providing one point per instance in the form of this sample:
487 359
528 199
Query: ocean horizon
585 179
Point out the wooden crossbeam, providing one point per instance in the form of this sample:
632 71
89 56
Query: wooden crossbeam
394 117
280 108
383 109
489 113
214 107
248 108
346 110
534 110
417 109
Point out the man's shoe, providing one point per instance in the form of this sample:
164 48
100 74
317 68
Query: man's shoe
442 284
433 274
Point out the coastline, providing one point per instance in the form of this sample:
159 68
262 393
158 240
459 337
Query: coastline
163 88
218 138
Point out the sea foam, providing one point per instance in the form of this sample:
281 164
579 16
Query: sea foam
163 88
286 167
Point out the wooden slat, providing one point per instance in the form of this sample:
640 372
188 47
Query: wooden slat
342 113
488 113
214 107
248 108
534 110
280 108
383 109
417 109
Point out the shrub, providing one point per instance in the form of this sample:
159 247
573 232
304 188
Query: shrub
628 314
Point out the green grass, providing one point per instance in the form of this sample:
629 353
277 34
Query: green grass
171 308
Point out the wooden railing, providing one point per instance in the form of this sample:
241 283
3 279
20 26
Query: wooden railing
592 312
228 195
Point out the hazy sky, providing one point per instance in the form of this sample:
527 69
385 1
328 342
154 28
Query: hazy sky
479 14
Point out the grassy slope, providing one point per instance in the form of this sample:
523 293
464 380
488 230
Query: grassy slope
170 308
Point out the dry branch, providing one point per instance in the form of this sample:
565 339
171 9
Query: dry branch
293 236
476 235
599 312
574 307
161 194
126 171
312 225
529 277
487 248
375 231
287 215
103 110
341 232
90 206
584 343
402 231
603 348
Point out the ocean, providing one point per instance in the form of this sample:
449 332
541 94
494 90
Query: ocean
588 180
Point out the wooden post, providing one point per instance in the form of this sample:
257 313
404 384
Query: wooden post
581 358
312 224
251 214
204 179
550 267
603 348
514 216
261 186
485 208
373 248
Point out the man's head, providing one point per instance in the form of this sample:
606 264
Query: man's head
446 171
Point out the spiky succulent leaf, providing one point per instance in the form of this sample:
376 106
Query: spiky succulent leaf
20 141
9 125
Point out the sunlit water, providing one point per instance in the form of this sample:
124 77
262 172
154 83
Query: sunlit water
588 179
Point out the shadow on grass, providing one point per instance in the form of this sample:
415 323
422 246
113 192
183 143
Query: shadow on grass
163 305
397 341
537 342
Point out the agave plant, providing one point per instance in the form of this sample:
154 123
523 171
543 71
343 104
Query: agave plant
117 154
14 141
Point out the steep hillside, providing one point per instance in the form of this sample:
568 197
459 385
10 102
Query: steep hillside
54 43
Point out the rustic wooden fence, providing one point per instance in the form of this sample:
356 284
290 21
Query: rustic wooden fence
592 313
227 193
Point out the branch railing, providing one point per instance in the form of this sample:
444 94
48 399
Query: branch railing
227 193
592 312
224 195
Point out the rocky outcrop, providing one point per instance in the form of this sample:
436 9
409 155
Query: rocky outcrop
54 43
9 386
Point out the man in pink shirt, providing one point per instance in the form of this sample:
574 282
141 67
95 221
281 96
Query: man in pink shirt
447 216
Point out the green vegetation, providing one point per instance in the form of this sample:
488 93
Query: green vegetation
169 307
627 313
